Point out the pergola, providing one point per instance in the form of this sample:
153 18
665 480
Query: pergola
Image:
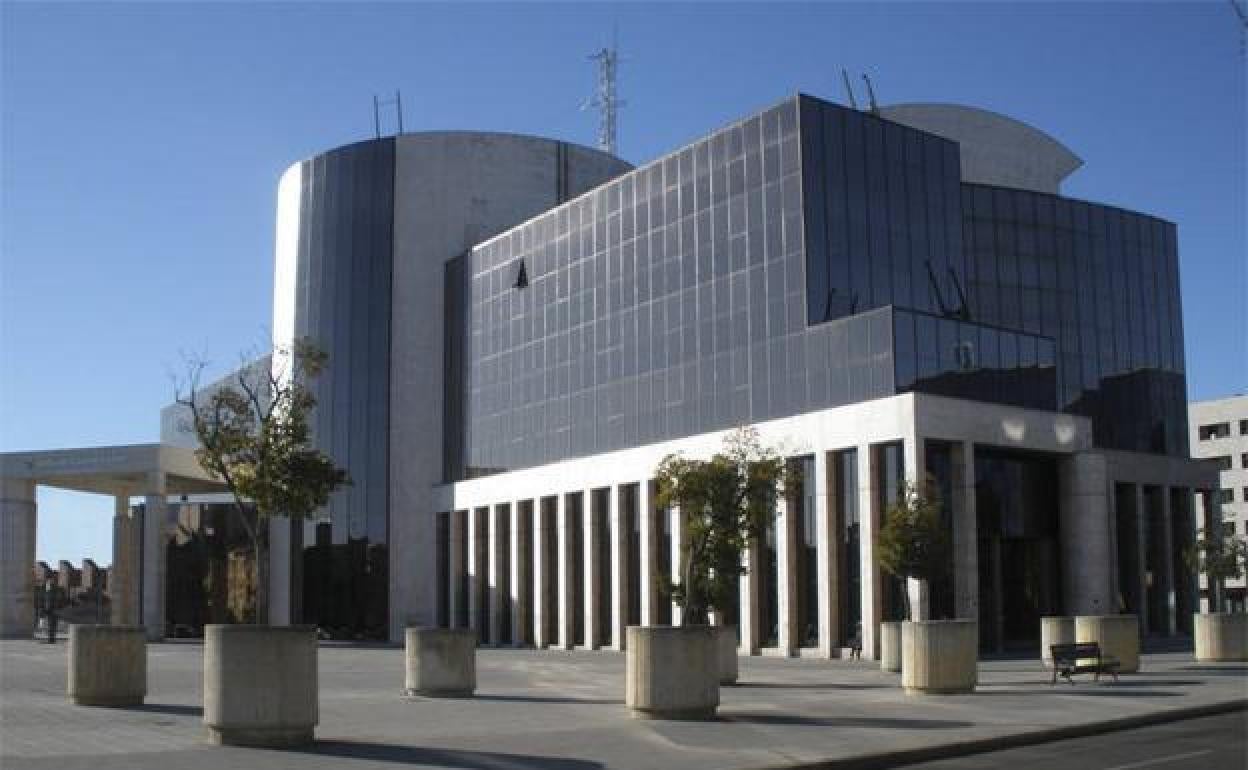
137 582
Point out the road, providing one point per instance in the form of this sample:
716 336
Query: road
1209 743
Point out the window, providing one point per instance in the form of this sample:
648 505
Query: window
1217 430
1226 496
1224 462
1243 427
1243 460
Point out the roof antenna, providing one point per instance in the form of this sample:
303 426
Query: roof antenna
875 108
849 91
397 101
605 97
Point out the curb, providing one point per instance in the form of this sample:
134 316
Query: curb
999 743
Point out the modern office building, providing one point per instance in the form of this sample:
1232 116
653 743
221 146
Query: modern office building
520 329
1219 433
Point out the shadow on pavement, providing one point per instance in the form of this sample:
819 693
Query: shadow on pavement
452 758
1106 690
880 723
809 686
1219 670
166 708
550 699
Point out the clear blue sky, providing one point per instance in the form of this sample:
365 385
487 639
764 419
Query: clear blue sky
142 145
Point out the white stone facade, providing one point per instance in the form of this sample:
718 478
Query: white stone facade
1219 432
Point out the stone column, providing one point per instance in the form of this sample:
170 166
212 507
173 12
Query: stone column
593 568
1166 569
751 559
965 533
826 560
279 570
649 589
1087 561
18 520
786 575
620 577
564 561
915 462
868 527
1141 550
519 548
677 525
155 516
123 578
541 568
497 546
455 568
476 570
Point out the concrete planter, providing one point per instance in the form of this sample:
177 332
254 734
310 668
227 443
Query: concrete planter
939 656
260 685
1220 636
1118 636
672 672
890 646
726 642
441 662
1055 629
107 665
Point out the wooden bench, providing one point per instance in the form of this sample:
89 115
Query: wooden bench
1071 659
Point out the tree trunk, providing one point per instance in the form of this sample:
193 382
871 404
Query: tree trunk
262 581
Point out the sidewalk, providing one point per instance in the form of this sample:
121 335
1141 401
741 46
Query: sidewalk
564 710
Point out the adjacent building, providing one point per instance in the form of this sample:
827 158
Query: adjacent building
1219 433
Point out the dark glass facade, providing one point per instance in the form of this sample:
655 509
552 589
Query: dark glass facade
343 302
807 257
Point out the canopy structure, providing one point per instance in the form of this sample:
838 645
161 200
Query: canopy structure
152 471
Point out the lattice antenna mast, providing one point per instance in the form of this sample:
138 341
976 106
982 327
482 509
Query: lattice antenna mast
606 98
396 102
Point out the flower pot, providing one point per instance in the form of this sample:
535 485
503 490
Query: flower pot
1118 636
890 646
441 662
1220 636
107 665
939 656
260 685
726 643
672 672
1055 629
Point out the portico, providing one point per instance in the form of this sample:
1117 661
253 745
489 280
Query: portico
153 472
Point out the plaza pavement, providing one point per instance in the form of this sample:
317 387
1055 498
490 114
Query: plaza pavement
565 711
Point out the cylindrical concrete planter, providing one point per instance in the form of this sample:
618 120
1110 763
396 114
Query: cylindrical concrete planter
1118 636
726 640
260 685
939 656
1055 629
107 665
441 662
890 646
672 672
1221 636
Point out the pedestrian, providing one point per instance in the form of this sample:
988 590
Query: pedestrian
49 608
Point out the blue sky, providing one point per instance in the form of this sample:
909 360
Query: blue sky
141 147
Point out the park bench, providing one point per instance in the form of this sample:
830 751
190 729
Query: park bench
1081 658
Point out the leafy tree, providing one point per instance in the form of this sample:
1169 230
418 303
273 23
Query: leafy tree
725 503
254 434
913 542
1220 558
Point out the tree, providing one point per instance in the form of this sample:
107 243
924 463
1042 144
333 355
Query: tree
913 542
725 503
254 434
1220 558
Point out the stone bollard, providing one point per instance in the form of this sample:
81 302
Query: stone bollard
1118 636
107 665
672 672
939 656
441 662
1220 636
1055 629
890 646
260 685
726 639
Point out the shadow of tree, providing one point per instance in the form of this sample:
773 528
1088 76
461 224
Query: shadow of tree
548 699
879 723
166 708
451 758
1107 690
811 686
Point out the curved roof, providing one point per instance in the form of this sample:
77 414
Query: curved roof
996 149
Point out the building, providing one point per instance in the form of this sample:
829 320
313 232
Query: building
1219 432
520 329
